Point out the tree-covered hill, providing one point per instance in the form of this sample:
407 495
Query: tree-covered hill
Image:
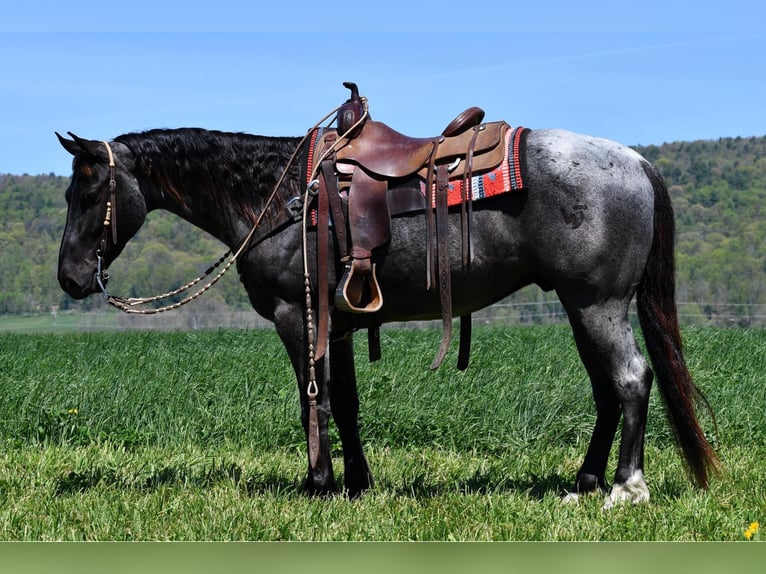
166 253
718 189
719 193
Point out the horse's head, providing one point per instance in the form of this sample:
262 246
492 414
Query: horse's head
102 216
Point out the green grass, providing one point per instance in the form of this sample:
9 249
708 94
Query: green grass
196 436
65 322
102 492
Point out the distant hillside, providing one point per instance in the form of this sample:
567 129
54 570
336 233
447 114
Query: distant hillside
719 193
718 189
166 253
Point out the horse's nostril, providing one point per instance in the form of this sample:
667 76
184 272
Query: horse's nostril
64 281
72 287
67 284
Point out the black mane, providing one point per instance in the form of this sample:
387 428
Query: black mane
234 169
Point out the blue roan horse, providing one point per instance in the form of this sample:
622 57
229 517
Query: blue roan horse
595 224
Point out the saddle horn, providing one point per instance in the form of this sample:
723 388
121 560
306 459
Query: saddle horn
351 112
354 91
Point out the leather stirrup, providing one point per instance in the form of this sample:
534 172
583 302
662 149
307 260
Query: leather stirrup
358 290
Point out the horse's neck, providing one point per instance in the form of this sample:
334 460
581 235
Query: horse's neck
224 196
220 221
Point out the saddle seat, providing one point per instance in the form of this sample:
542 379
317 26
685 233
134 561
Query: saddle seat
383 151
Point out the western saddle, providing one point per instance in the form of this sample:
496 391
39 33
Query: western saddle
360 157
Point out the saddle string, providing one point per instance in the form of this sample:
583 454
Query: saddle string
127 305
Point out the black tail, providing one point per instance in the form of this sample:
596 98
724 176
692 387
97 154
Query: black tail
659 321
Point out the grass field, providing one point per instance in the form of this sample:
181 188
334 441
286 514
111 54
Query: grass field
196 436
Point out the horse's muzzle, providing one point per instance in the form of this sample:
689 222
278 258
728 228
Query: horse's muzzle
78 286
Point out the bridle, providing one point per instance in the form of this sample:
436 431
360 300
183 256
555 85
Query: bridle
109 237
132 304
110 222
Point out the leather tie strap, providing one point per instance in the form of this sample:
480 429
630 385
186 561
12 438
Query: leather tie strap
464 349
443 262
323 239
336 208
467 203
430 223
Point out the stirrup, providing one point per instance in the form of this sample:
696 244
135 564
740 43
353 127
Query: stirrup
358 290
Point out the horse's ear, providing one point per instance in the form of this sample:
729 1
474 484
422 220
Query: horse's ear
93 147
69 145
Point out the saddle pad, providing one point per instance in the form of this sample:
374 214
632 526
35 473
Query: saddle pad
313 140
510 175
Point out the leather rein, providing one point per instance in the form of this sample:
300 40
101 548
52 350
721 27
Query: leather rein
131 305
110 232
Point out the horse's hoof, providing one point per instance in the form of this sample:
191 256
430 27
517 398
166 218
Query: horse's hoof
358 480
354 491
570 498
586 484
633 490
320 491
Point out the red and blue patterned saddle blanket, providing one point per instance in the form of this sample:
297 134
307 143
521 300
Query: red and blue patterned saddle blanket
509 176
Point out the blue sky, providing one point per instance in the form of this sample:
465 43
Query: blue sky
643 73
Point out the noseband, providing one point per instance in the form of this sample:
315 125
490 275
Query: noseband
110 222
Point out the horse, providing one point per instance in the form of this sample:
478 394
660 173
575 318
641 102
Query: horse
595 224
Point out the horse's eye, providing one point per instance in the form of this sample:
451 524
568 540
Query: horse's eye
90 196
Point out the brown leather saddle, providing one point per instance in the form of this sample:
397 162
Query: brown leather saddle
367 155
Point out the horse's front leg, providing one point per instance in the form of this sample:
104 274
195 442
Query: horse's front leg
291 326
345 411
320 479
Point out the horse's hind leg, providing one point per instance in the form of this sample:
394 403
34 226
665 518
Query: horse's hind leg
621 381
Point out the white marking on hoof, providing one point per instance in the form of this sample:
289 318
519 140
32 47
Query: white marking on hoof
634 491
574 497
570 498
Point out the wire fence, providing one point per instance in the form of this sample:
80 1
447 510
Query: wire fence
718 314
542 312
